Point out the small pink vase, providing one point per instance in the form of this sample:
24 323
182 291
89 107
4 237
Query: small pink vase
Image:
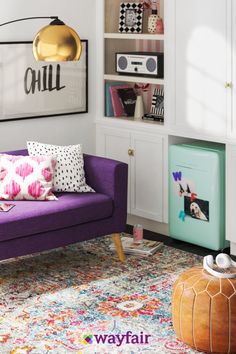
159 25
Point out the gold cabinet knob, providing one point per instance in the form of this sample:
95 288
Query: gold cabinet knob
131 152
228 84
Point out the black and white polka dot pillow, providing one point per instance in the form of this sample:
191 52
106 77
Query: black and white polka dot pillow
69 172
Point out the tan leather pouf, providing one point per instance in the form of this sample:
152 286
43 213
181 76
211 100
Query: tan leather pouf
204 311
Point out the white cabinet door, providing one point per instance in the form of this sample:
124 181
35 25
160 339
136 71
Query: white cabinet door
147 176
200 96
147 189
117 143
114 144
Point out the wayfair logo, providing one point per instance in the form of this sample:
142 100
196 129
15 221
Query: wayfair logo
117 339
87 339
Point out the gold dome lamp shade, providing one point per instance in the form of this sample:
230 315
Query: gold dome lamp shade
54 42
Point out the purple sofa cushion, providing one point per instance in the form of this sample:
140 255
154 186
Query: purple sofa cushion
28 218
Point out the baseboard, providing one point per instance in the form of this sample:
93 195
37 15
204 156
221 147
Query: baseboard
147 224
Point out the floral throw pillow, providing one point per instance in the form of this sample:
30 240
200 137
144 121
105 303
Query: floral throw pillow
26 178
69 173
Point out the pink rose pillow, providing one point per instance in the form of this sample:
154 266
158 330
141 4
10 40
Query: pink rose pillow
26 177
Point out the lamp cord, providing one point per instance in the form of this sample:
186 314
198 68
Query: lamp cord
29 18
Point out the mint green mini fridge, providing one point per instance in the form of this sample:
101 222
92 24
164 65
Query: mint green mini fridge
197 194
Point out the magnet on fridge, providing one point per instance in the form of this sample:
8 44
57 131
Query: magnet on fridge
177 175
181 190
188 189
182 215
193 197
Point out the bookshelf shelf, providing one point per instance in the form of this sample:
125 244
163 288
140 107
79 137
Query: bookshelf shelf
141 36
138 79
132 120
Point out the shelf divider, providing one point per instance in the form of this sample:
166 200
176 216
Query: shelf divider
144 36
131 119
139 79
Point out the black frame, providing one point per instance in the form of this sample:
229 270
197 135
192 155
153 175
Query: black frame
57 114
157 107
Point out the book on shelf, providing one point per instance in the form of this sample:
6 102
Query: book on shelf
144 249
128 99
117 105
153 118
108 102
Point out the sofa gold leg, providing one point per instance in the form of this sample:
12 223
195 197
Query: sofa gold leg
119 248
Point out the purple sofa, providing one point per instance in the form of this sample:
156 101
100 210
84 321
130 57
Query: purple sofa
33 226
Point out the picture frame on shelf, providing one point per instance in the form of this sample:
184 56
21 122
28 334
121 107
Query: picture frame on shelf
36 89
131 17
157 106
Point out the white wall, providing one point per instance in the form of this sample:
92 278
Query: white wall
80 15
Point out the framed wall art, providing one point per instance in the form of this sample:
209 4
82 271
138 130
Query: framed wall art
131 17
31 89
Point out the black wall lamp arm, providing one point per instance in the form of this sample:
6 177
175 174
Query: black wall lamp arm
29 18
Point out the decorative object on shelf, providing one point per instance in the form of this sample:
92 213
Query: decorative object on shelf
30 89
152 22
117 104
55 42
157 107
131 17
128 98
155 22
159 26
203 306
150 64
153 118
140 88
139 108
147 4
152 19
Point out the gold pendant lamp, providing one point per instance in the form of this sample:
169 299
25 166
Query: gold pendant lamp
57 42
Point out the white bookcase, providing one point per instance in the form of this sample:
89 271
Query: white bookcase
120 42
199 89
141 143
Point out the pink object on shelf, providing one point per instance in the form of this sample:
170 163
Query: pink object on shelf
116 102
159 26
138 233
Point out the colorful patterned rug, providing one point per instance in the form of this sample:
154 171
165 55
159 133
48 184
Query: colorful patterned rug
81 299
